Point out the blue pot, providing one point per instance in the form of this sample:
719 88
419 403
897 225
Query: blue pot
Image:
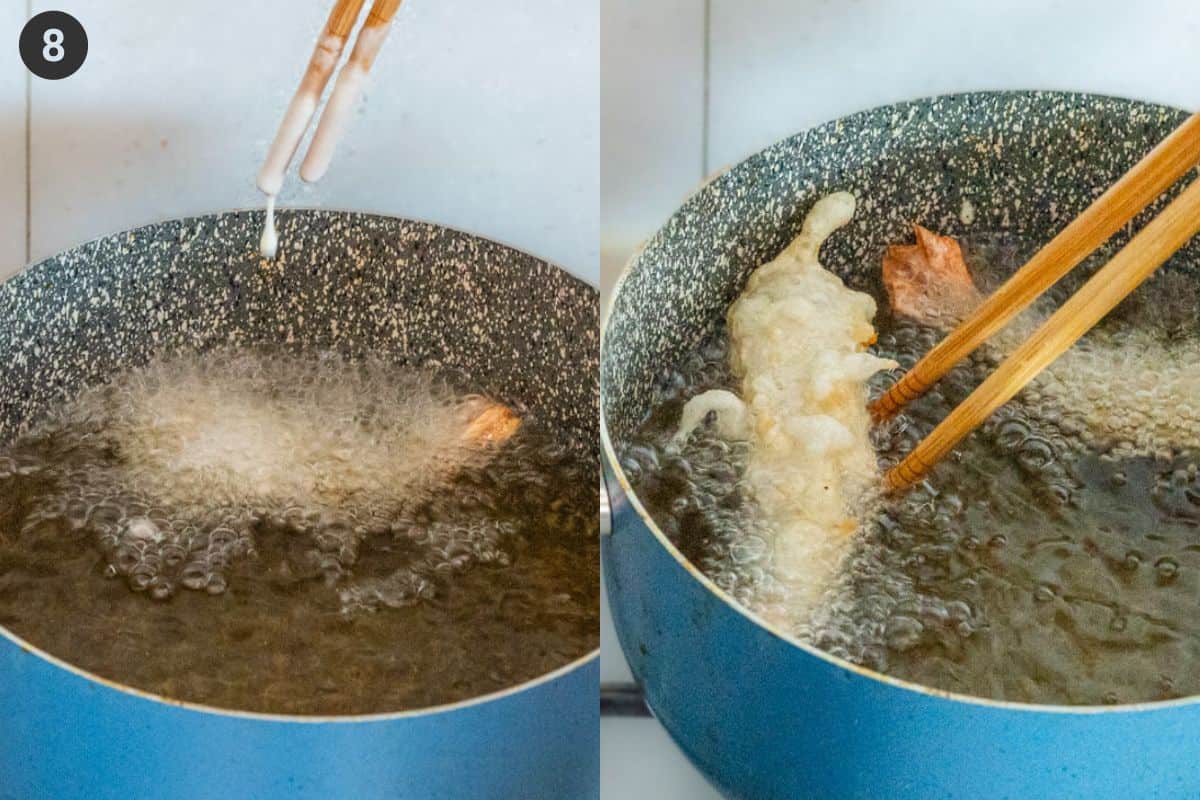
760 714
764 716
410 291
69 735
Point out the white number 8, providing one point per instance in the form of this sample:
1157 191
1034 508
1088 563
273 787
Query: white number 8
53 39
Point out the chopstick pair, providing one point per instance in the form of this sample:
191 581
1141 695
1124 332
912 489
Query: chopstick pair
346 90
1136 261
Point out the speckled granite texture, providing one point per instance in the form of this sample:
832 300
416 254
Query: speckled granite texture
1026 162
520 328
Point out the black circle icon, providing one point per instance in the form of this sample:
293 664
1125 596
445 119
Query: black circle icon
53 45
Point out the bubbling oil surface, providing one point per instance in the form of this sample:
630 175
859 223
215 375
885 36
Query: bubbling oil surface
1046 561
297 534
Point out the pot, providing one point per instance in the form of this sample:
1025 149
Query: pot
412 292
761 714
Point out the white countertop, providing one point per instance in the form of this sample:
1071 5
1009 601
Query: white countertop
689 88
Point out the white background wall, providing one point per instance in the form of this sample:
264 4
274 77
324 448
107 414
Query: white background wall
479 115
693 86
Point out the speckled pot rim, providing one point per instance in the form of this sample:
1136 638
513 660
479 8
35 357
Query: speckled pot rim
306 719
611 462
283 210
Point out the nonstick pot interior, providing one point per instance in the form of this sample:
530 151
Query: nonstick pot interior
1025 162
522 329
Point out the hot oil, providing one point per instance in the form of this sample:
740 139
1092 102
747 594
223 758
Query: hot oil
293 534
1054 558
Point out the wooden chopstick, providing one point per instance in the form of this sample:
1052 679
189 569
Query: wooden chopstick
342 18
347 89
303 106
1148 179
382 12
1135 262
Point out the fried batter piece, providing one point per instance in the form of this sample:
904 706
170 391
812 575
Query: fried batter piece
928 281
